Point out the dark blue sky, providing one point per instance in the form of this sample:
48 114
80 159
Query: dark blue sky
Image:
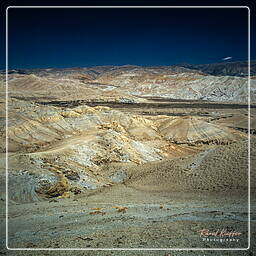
40 38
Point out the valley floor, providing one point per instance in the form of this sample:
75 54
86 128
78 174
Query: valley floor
151 220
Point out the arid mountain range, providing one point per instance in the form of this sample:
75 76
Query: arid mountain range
90 118
126 134
224 68
224 82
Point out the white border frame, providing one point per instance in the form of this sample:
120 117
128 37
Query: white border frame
133 249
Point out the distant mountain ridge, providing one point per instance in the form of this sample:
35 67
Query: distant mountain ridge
216 69
224 68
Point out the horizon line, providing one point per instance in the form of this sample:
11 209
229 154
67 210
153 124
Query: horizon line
123 65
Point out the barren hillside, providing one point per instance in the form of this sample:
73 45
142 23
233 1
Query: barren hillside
130 135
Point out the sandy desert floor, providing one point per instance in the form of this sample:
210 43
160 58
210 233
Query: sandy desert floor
151 220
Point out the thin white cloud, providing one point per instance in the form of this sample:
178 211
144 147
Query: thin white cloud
227 58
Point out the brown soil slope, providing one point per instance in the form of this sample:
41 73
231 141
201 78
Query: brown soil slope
217 169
